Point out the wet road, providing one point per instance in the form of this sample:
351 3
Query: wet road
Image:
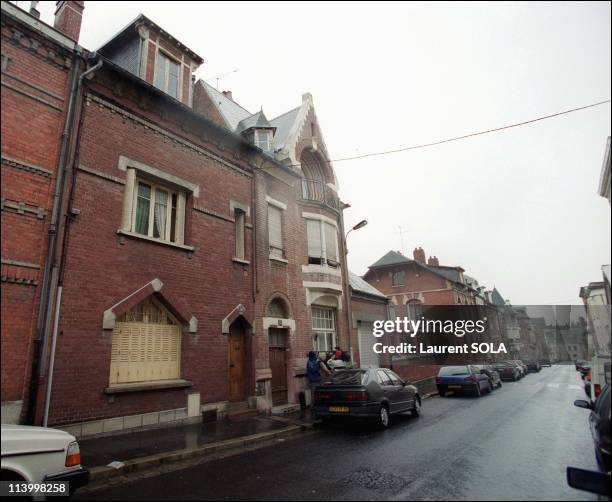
513 444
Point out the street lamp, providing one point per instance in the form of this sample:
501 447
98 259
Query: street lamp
349 313
359 225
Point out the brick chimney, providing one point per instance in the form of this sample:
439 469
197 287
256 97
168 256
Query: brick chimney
228 94
34 10
68 18
419 255
433 261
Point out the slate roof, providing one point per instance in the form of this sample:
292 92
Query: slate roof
391 258
231 111
497 298
606 272
450 273
257 120
283 124
358 284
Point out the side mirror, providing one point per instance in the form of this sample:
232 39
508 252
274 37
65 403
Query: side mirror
590 481
581 403
406 382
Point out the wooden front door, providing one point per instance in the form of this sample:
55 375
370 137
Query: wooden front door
278 364
236 364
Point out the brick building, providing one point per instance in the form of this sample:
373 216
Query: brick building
200 251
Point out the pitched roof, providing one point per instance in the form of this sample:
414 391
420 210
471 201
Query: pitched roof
391 258
257 120
497 298
231 111
451 273
283 124
358 284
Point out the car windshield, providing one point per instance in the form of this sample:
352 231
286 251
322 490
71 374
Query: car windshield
454 370
500 365
349 378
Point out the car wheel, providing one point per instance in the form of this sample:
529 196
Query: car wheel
489 387
383 416
499 384
514 379
416 408
441 392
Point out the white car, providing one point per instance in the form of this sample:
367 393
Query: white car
39 456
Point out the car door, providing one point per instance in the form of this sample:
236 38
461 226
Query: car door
481 378
405 395
389 390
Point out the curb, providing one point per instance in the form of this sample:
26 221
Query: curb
103 473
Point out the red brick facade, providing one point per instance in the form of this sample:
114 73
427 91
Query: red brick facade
122 126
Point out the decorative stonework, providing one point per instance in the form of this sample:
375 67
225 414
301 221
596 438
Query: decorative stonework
24 166
23 208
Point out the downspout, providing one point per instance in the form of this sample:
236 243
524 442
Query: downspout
58 205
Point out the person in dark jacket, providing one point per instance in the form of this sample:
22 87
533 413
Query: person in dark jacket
314 366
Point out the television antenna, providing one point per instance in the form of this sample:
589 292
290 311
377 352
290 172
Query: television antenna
218 77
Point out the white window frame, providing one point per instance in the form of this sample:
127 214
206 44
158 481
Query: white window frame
166 76
263 137
179 217
330 335
324 261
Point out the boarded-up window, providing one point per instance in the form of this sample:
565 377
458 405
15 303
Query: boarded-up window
146 345
275 231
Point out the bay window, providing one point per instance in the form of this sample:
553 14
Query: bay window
322 243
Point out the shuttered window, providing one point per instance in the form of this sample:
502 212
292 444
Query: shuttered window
146 345
322 243
275 231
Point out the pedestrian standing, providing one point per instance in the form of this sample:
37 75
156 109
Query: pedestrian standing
314 367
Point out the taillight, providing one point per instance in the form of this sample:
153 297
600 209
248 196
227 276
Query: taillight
597 389
73 454
322 396
438 380
356 396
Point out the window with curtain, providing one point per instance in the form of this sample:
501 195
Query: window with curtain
322 243
275 231
167 74
156 212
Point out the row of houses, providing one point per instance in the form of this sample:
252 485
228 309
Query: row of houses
166 253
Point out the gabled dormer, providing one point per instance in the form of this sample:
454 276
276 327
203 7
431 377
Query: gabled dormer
146 50
257 130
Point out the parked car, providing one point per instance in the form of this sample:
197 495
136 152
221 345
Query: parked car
584 370
507 370
521 369
589 481
578 363
599 420
533 366
462 378
370 393
523 366
38 454
492 373
545 362
598 376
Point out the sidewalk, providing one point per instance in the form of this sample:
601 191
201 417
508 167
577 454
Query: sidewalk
149 448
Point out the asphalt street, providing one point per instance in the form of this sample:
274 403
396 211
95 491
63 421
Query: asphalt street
513 444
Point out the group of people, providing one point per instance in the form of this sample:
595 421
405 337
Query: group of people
316 367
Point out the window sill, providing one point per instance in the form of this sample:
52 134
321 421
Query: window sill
122 388
154 240
241 261
276 258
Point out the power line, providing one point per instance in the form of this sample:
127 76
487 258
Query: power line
470 135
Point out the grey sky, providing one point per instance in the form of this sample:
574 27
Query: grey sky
518 209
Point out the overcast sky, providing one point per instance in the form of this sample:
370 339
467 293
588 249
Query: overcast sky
518 210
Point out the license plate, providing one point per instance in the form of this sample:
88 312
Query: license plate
338 409
454 386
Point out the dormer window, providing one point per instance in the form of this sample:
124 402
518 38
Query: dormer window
263 139
167 74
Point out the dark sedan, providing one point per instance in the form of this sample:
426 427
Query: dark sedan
492 373
507 370
533 366
462 378
366 393
599 420
545 362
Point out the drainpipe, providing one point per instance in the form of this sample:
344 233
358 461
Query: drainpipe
50 290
